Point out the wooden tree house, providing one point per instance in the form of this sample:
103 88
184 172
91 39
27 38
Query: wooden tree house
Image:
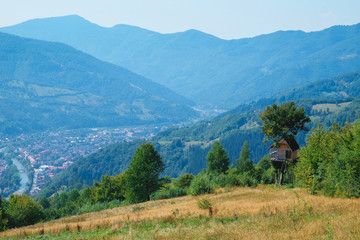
282 154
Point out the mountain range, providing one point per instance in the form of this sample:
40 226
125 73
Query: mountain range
206 69
46 85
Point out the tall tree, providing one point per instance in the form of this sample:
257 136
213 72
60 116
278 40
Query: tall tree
282 121
244 164
218 160
142 177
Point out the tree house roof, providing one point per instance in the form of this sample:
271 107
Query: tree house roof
291 142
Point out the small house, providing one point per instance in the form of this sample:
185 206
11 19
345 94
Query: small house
284 150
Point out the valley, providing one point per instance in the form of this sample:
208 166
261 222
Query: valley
47 153
121 132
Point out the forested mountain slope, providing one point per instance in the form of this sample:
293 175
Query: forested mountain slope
204 68
339 87
184 149
46 85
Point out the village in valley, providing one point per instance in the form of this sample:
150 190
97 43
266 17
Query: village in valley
51 152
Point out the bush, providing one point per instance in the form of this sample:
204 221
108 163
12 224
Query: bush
88 208
246 180
184 180
206 204
168 193
22 210
219 180
232 180
202 184
267 177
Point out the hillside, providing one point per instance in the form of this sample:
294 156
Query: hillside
339 87
47 85
264 212
184 150
213 71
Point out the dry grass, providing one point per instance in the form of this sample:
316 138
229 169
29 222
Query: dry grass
244 213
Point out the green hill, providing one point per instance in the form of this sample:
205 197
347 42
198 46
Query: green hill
206 69
47 85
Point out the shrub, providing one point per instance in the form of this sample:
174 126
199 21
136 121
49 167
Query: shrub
184 180
206 204
267 177
201 184
246 180
219 180
232 180
22 210
168 193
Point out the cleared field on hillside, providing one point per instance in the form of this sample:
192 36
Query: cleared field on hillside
330 107
264 212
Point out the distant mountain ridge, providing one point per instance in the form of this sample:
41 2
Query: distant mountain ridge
207 69
46 85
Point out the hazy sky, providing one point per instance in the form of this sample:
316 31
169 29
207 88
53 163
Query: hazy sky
223 18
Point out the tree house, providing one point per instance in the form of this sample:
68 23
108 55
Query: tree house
281 155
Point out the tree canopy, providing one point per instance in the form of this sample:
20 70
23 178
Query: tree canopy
243 163
331 161
142 177
283 121
218 160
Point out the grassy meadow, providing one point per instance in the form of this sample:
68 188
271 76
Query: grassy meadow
264 212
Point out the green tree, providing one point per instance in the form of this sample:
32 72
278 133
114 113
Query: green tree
264 163
44 202
22 210
74 195
218 160
342 176
244 164
184 180
3 218
282 121
316 157
110 188
142 177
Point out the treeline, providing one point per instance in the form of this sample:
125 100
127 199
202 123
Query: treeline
331 161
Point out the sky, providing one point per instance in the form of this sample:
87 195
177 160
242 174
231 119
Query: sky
227 19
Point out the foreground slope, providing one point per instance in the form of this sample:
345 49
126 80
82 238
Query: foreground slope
47 85
206 69
265 212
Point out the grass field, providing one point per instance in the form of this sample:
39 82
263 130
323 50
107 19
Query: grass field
329 107
265 212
